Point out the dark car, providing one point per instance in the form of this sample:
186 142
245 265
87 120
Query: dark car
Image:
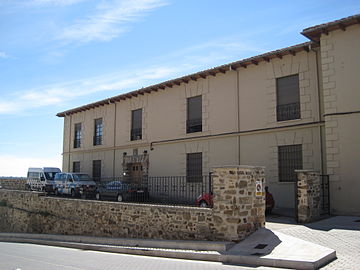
121 191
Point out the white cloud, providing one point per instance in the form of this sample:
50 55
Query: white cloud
54 2
18 166
109 21
4 55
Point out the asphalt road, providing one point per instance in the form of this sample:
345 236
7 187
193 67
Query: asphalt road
15 256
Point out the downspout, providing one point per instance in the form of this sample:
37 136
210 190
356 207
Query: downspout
70 132
114 141
319 104
238 112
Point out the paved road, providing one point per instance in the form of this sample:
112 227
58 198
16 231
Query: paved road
341 233
15 256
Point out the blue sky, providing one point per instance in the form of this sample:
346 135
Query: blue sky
60 54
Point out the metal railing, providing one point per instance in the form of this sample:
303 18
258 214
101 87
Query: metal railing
169 190
288 111
77 143
193 125
97 140
136 134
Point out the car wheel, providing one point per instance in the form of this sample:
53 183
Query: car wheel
73 193
120 198
203 204
97 196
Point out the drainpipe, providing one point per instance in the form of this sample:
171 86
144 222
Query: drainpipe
69 142
114 156
238 112
319 104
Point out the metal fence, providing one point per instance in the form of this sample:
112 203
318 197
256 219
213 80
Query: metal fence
173 190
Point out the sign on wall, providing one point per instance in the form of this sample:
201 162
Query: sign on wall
259 188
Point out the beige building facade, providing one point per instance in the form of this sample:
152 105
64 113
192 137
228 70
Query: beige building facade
294 108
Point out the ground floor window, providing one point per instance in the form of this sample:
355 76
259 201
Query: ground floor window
96 170
76 167
289 160
194 167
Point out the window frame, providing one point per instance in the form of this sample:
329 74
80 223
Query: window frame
96 169
77 168
77 135
286 111
194 167
98 132
194 116
136 128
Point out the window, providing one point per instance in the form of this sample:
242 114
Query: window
288 98
77 135
194 167
98 131
96 170
289 160
76 167
194 114
136 125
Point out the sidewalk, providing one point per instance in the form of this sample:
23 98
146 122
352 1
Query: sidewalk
341 233
262 248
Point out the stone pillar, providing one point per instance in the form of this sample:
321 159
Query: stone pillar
308 195
239 209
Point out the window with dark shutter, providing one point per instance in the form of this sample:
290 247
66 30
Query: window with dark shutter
77 135
289 160
96 170
136 125
194 114
194 167
76 167
98 131
288 98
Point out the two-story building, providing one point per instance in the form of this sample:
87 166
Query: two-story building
293 108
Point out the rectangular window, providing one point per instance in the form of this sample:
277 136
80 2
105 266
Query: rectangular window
96 170
194 114
194 167
288 98
98 131
77 135
76 166
136 125
289 160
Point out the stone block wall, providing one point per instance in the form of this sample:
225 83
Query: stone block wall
237 213
238 210
13 183
308 195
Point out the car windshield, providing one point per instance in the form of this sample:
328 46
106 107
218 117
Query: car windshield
50 175
81 177
114 184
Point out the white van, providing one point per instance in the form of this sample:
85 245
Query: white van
41 179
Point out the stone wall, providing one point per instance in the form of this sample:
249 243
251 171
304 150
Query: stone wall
237 212
13 183
308 195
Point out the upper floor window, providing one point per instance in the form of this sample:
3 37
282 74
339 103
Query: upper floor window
76 167
288 98
77 135
194 167
98 131
194 114
289 160
136 125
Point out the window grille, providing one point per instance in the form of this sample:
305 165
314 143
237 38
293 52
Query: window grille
76 166
96 170
289 160
194 167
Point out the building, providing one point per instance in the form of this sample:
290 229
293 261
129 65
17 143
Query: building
294 108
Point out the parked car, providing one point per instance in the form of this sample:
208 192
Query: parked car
74 184
41 179
121 191
205 200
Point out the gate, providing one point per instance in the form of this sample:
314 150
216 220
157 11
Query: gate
324 195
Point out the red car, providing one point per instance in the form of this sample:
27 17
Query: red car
206 200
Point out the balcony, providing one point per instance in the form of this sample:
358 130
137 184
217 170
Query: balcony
288 111
193 125
97 140
136 134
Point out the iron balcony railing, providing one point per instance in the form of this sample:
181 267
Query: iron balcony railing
288 111
97 140
77 143
193 125
136 134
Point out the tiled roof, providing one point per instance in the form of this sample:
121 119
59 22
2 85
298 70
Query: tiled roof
195 76
314 32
